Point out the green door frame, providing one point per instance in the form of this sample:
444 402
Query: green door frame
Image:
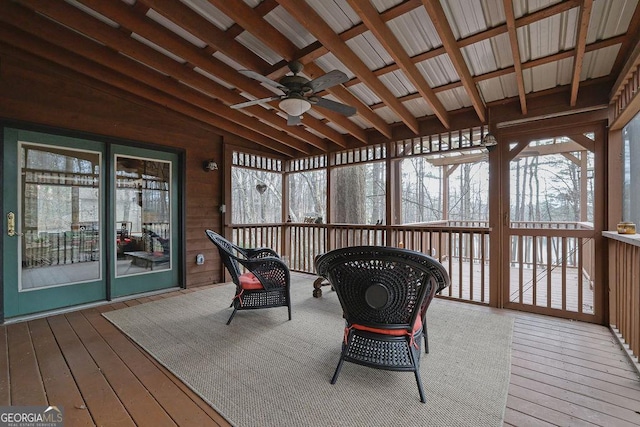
108 286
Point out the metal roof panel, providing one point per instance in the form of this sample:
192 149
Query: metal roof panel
438 71
418 107
365 94
480 57
415 31
498 88
599 62
256 46
501 46
610 18
370 50
336 13
282 21
329 62
465 17
210 13
454 99
398 83
168 24
387 115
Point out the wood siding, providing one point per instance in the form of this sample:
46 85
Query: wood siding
40 96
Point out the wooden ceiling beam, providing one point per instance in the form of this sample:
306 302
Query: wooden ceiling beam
515 53
207 32
166 93
628 56
581 41
317 49
308 17
117 40
439 20
194 22
69 16
387 38
478 37
249 19
262 9
600 44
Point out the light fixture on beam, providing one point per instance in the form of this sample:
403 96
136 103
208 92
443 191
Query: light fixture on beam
295 105
209 165
489 141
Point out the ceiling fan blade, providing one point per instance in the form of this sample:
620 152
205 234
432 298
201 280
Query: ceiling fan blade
254 102
328 80
344 109
262 79
293 120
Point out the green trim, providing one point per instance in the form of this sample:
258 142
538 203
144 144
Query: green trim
32 301
18 303
153 279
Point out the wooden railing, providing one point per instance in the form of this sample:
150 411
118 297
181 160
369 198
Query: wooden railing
67 247
624 289
464 251
552 267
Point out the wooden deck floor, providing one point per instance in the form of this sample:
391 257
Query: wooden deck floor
562 373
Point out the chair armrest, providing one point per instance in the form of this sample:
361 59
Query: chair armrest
272 272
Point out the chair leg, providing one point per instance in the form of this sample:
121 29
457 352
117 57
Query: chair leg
232 314
425 332
419 382
337 372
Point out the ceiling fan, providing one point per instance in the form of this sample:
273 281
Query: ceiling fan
298 93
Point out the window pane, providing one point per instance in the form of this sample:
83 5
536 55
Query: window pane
60 216
308 196
421 191
359 194
143 215
256 196
552 188
469 192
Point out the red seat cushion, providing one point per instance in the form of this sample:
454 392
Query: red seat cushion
249 282
395 332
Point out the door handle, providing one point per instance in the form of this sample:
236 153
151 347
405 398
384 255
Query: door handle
11 225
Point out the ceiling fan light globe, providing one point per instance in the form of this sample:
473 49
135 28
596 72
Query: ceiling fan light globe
295 106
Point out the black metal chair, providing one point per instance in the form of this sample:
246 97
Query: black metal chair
266 282
384 293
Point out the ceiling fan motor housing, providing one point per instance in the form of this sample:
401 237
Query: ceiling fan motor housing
296 84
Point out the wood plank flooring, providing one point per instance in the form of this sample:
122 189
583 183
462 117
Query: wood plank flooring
562 373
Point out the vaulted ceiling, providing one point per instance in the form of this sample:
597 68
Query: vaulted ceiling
412 67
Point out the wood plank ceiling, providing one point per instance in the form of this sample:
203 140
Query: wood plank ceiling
412 65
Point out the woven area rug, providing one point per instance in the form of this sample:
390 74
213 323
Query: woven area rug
263 370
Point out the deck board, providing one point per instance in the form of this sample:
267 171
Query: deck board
24 373
102 402
141 407
180 406
5 398
59 384
562 373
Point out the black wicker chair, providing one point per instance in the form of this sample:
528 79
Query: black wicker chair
384 293
266 282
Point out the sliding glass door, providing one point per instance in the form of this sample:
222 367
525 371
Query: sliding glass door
144 220
84 222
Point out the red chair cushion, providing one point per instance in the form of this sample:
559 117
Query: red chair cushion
395 332
249 282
